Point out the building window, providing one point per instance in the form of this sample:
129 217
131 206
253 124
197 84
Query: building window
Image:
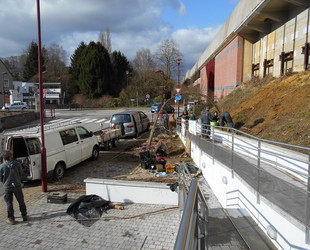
6 83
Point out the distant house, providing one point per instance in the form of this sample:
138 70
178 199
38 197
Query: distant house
6 84
24 92
29 92
52 93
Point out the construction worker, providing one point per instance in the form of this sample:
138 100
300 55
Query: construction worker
225 118
185 114
206 118
192 116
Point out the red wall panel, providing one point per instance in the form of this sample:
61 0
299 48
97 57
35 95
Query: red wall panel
228 65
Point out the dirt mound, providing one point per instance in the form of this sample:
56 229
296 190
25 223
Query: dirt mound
278 110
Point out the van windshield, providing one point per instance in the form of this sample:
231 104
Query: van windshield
121 118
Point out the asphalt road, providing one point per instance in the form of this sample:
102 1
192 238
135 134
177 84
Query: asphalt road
92 119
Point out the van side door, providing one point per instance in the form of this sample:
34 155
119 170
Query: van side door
26 150
72 146
87 142
138 122
34 149
145 121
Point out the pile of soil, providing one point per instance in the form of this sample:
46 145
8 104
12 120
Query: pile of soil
173 152
274 109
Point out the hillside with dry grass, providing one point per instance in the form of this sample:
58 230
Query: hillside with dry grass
274 109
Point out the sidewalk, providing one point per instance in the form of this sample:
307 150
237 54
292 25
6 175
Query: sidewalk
49 227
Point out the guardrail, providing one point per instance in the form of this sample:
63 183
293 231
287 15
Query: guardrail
193 229
262 154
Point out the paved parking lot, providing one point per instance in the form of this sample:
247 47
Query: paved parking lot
49 227
139 226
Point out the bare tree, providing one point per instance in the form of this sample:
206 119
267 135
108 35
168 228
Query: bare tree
144 61
105 39
55 61
167 55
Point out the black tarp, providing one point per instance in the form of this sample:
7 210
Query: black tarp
86 207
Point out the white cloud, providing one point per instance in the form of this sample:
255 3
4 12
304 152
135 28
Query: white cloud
66 18
177 5
182 9
133 24
193 42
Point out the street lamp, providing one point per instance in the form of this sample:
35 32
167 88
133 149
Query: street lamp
3 96
127 94
163 86
43 149
127 73
179 62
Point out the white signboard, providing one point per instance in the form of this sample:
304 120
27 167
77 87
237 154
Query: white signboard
192 127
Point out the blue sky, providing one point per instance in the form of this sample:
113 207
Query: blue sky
134 24
201 14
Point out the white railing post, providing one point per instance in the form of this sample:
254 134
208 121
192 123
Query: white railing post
258 171
232 153
307 206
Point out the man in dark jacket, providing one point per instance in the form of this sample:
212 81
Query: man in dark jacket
11 174
206 118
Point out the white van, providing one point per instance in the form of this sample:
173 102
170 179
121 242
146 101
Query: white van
66 145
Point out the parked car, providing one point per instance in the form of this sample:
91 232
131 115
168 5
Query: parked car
132 122
157 106
66 145
16 105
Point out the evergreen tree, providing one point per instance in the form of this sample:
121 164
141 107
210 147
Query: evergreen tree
95 71
120 67
76 59
31 65
75 68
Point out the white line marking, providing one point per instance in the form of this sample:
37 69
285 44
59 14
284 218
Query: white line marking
102 120
91 121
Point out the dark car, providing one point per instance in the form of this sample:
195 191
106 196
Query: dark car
157 106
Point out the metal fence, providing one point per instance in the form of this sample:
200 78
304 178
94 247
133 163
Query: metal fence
193 227
259 161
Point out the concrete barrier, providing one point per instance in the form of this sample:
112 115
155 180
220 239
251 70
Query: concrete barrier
132 191
11 119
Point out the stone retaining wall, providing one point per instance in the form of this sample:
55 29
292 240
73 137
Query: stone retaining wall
11 119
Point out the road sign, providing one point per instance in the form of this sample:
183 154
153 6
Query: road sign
178 97
178 90
147 96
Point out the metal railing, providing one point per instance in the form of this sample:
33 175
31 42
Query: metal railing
193 230
279 160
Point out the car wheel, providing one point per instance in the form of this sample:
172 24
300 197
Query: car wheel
108 145
59 171
115 142
95 153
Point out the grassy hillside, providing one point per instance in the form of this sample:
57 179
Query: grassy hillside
274 109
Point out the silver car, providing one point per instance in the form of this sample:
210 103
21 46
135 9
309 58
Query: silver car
133 123
16 106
